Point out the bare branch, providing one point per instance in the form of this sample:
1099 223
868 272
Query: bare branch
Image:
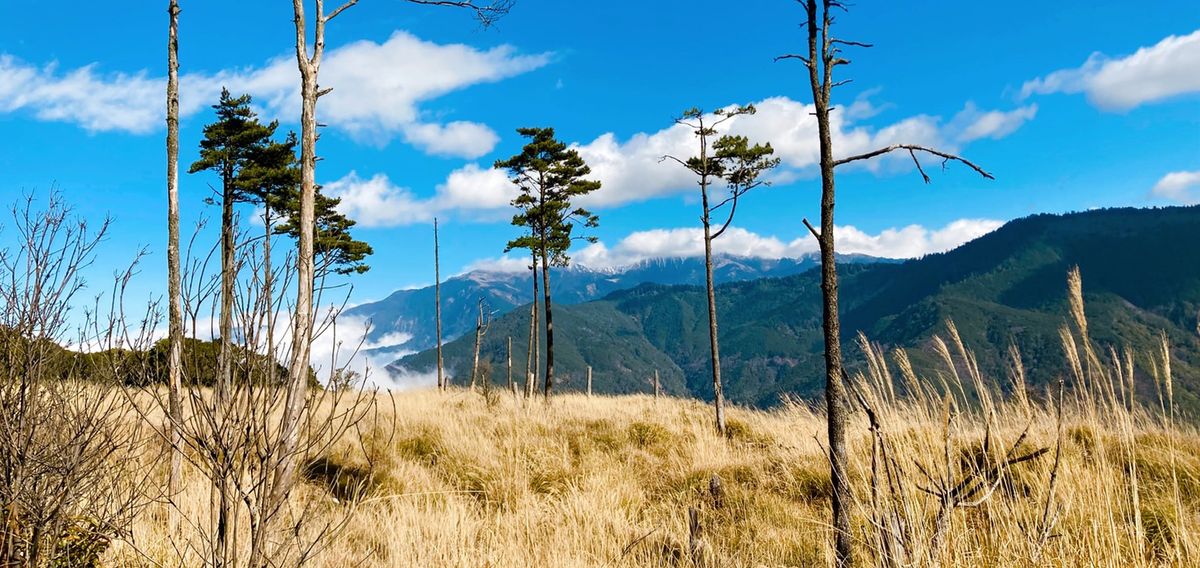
662 159
340 9
918 163
914 148
802 59
732 210
487 14
847 42
811 229
323 92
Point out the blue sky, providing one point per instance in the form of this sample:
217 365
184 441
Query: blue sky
1074 106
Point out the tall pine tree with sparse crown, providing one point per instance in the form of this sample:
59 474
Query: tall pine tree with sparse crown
227 149
549 177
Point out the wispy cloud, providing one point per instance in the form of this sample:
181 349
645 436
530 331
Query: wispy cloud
1166 69
471 192
378 89
1180 187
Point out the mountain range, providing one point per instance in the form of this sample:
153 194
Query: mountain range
403 322
1141 279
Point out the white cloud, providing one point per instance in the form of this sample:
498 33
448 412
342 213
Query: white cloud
377 90
904 242
120 101
459 138
633 170
1182 187
376 202
973 124
470 192
1166 69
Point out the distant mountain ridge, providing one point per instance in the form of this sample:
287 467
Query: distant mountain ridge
409 314
1141 279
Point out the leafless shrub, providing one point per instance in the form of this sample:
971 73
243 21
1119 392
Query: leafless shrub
70 480
234 434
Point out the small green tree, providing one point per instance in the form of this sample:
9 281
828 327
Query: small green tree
549 177
740 165
229 146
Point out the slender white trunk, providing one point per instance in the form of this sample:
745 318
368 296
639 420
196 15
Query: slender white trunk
174 287
437 310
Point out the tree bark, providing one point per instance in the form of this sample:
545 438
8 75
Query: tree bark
174 279
549 323
531 365
297 393
835 389
478 339
437 298
715 347
511 385
268 280
589 381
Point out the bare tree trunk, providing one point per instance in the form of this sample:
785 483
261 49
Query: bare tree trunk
226 516
478 339
268 278
718 391
589 381
534 334
531 365
437 296
174 286
549 323
511 385
836 403
657 387
228 276
297 394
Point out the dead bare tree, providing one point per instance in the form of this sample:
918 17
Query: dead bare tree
174 309
437 310
482 324
511 385
302 320
824 53
237 441
534 338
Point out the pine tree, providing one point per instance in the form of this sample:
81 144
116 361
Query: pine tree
549 177
335 249
732 159
229 147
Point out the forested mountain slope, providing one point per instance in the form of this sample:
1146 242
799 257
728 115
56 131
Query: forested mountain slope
1141 276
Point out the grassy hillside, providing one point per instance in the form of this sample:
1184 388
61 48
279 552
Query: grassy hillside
608 481
948 468
1005 288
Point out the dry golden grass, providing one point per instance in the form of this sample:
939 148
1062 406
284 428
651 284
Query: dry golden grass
608 481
